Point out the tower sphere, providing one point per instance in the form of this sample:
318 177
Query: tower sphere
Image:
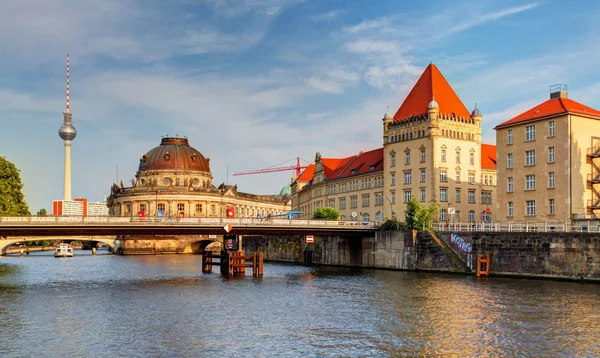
67 132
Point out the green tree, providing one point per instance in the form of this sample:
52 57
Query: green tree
12 200
326 213
42 212
419 217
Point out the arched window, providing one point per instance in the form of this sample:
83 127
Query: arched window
472 215
443 215
366 217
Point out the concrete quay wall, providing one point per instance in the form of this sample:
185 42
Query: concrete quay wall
400 250
546 255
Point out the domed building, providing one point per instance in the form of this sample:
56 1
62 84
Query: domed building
174 179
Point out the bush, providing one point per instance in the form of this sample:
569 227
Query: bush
326 214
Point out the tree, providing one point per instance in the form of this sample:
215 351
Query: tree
42 212
12 200
419 217
326 213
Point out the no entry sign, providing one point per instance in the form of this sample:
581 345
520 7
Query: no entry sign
309 239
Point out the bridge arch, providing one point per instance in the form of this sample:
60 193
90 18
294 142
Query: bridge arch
8 242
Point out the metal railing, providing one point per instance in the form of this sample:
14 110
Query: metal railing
183 221
520 226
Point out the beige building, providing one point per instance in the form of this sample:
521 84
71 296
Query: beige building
174 179
433 152
549 162
352 185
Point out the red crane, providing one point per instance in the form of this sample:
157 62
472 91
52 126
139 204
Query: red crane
298 168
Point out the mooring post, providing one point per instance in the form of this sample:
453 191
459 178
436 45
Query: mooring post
254 262
260 263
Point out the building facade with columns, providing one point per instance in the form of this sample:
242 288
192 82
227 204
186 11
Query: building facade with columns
174 179
433 152
549 162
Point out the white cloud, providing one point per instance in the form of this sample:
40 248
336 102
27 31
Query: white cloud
326 16
325 85
367 25
482 18
366 46
493 119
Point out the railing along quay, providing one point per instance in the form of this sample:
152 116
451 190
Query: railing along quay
177 221
520 227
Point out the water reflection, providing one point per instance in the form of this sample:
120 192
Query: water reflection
165 306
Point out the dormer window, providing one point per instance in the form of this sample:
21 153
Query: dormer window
167 156
353 171
194 157
372 167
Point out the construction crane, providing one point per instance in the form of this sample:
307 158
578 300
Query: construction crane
298 168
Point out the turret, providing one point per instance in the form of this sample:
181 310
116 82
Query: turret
433 109
476 116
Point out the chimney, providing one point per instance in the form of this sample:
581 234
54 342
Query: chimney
558 91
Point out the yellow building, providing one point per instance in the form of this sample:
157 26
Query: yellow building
549 162
352 185
433 152
174 179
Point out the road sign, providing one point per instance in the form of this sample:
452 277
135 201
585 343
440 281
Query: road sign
354 214
451 210
488 211
309 239
227 228
230 244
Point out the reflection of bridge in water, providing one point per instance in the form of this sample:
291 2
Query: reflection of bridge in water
16 228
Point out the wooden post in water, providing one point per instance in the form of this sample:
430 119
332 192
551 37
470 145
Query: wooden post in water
260 263
254 264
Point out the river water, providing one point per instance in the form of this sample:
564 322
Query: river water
157 306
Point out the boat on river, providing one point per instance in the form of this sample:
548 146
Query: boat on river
63 250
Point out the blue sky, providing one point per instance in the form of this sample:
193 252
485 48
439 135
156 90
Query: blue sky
255 83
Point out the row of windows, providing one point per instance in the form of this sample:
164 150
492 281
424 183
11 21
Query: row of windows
354 185
486 196
406 136
181 207
530 132
530 157
530 209
457 135
457 216
530 182
423 157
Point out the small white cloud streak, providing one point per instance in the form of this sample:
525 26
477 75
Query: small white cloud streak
367 25
326 16
492 16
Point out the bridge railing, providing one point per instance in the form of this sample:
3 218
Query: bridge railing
184 221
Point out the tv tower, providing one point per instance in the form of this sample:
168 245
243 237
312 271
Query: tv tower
67 132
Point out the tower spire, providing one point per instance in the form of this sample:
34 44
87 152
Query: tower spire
68 99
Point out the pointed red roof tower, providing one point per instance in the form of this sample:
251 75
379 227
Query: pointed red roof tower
431 86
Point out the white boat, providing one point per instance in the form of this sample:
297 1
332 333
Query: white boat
63 250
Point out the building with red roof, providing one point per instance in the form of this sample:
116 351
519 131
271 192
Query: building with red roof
352 185
549 161
433 152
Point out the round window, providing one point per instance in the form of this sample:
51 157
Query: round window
143 181
167 181
196 182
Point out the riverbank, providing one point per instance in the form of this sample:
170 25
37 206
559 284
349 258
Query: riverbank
560 257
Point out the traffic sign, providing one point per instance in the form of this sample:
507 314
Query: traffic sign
354 214
309 239
227 228
451 210
230 244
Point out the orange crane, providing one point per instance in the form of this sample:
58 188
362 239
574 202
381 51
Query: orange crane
298 168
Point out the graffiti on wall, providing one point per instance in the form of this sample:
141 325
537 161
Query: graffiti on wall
460 243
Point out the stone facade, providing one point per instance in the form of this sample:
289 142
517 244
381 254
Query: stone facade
174 179
543 163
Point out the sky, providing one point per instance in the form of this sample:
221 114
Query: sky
257 83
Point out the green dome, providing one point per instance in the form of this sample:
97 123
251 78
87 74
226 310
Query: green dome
286 190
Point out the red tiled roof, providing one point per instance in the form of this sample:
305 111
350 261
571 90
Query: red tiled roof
330 165
552 107
431 85
488 156
362 164
307 174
